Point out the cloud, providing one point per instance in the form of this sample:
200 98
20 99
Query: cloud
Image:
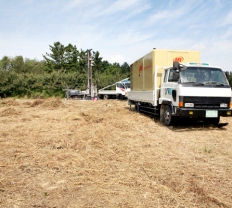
121 5
133 37
116 58
227 34
159 16
78 3
228 19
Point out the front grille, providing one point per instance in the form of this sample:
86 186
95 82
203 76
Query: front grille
207 106
206 102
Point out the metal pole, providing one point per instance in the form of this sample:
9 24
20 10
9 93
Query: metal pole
90 72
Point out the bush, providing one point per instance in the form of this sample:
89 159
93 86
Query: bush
39 85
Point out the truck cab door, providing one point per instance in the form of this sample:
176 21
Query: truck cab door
169 87
120 88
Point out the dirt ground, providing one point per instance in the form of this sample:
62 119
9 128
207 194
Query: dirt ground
57 153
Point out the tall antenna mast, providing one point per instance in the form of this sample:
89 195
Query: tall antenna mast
90 58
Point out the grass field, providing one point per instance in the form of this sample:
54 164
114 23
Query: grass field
57 153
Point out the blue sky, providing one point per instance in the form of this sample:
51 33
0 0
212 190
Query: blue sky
121 30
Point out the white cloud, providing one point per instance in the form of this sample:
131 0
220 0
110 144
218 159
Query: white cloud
78 3
157 17
133 37
227 34
228 20
118 58
120 5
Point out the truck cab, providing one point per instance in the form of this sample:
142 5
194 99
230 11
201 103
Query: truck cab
195 90
122 88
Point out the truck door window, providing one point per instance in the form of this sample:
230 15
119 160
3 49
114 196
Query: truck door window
170 77
120 85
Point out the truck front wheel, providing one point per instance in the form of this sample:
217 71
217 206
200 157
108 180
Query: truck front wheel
119 97
167 116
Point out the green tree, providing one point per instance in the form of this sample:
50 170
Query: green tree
5 63
125 69
56 59
17 63
65 58
33 66
99 66
63 66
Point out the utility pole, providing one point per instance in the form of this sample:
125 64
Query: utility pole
90 58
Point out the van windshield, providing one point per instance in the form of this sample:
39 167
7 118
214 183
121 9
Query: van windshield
203 75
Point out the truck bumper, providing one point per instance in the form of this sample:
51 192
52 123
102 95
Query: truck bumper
187 112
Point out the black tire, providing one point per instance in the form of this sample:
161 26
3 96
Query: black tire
106 97
167 116
101 96
137 107
119 96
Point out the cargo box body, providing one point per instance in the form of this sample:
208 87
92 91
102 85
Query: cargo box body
146 72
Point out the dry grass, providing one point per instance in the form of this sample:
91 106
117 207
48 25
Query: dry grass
56 153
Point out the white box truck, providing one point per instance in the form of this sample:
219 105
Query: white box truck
174 83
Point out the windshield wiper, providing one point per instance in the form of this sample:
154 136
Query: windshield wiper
219 84
194 83
198 83
216 83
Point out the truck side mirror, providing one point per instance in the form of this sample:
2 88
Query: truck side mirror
227 75
176 76
176 66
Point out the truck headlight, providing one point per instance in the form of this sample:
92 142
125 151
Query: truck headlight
223 105
189 105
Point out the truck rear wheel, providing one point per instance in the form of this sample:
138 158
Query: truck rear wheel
137 107
105 97
167 116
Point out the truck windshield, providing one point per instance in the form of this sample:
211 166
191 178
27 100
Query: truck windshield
127 84
205 75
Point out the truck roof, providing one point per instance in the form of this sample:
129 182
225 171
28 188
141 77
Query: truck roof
199 64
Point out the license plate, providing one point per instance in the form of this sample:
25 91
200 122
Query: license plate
211 114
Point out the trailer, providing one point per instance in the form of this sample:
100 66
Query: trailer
174 84
118 90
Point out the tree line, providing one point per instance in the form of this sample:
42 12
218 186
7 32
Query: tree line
64 66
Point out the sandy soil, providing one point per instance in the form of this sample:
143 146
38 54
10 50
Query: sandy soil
57 153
